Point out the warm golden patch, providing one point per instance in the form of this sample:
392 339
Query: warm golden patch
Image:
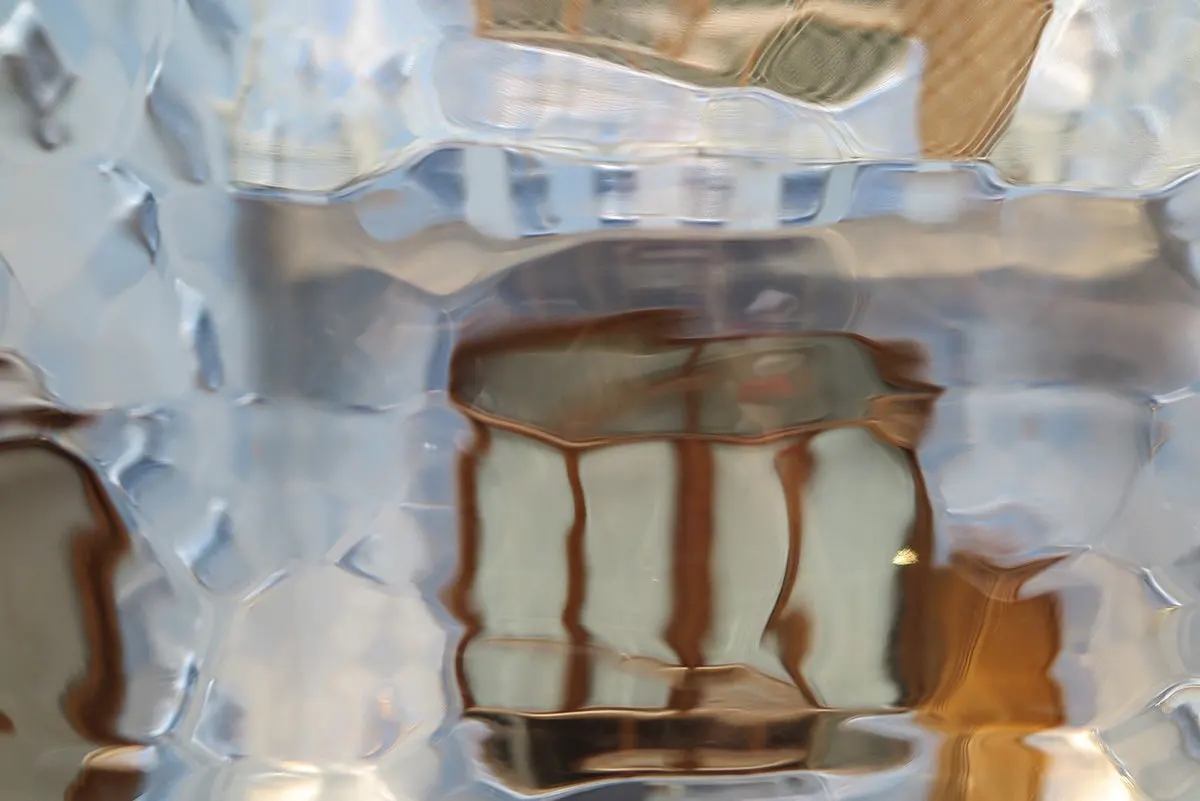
820 51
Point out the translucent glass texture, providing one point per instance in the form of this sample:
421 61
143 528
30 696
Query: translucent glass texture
449 400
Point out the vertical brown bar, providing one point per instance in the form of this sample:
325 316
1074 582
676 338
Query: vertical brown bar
459 597
794 468
578 664
92 705
914 648
692 609
691 612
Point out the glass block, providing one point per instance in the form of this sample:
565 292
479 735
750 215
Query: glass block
477 400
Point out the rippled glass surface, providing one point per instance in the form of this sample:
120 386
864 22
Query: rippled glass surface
450 400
